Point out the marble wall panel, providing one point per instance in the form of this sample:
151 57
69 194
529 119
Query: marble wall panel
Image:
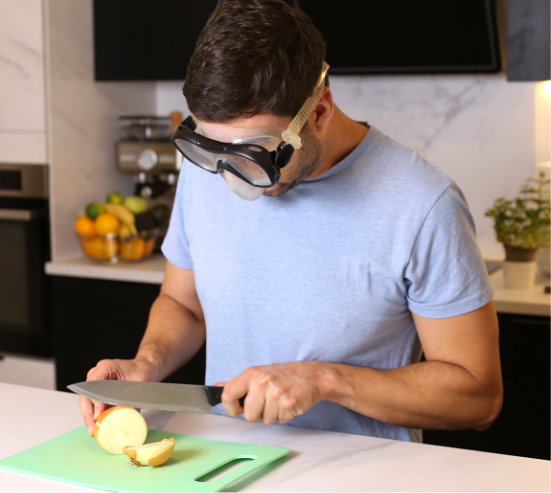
23 147
22 98
477 128
83 126
21 66
542 122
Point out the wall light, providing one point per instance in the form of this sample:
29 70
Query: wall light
547 87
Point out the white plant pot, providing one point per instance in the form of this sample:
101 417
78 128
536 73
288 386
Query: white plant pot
543 259
519 275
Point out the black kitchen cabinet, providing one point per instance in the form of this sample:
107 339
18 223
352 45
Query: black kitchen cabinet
146 40
528 49
97 319
149 40
523 426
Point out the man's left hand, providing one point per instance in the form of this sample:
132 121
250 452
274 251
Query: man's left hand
276 392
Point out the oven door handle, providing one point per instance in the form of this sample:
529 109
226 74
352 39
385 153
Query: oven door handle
21 214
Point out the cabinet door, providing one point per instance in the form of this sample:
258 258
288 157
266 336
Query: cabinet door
22 100
523 426
150 41
96 319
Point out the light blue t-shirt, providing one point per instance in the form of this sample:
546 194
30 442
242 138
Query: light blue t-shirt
329 271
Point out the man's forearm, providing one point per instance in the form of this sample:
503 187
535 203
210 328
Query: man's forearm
173 336
427 395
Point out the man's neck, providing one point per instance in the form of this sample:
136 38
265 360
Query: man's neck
342 137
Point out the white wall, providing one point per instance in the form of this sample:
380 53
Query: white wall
479 129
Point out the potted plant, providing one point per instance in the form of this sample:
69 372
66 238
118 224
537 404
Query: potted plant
522 225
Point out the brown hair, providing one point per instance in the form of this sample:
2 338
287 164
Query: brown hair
253 57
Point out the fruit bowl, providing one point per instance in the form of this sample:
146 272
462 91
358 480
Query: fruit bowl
113 248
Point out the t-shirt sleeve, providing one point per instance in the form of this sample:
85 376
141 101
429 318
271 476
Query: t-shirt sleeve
446 275
175 245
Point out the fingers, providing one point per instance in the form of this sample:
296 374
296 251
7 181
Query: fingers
254 406
98 409
233 391
87 410
287 409
91 410
273 393
271 410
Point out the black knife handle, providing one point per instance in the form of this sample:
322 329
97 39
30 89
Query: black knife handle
214 395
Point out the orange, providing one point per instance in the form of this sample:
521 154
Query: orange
133 249
148 248
92 247
84 226
107 223
100 248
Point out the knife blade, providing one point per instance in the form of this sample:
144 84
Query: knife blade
152 395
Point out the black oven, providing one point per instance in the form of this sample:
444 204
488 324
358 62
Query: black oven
25 326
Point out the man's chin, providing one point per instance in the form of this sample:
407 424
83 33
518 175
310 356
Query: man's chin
278 189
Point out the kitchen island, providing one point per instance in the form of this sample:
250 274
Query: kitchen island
318 461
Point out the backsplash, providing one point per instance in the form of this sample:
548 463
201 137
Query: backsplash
479 129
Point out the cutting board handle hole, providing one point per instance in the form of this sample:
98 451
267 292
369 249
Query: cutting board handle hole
225 468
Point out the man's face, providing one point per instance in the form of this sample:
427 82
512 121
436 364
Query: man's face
304 161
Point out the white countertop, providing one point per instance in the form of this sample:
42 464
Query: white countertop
318 461
531 301
149 270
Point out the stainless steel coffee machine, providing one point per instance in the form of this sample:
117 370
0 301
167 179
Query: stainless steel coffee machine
145 152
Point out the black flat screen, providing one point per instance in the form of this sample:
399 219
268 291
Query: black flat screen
154 40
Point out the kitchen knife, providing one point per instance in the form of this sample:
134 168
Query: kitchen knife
153 395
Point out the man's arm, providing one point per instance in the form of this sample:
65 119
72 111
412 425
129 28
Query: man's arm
175 332
176 327
458 387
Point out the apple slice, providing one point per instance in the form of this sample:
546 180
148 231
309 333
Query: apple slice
119 427
152 454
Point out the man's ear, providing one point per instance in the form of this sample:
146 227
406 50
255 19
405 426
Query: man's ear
324 111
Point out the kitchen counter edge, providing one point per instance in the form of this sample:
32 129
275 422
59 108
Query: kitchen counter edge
150 270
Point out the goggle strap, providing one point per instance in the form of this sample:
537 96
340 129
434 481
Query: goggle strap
290 136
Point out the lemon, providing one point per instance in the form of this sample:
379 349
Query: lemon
115 198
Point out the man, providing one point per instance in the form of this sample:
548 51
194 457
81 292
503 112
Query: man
317 296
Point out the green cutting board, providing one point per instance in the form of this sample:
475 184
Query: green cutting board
76 458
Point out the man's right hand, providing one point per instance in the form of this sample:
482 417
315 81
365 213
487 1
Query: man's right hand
137 370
